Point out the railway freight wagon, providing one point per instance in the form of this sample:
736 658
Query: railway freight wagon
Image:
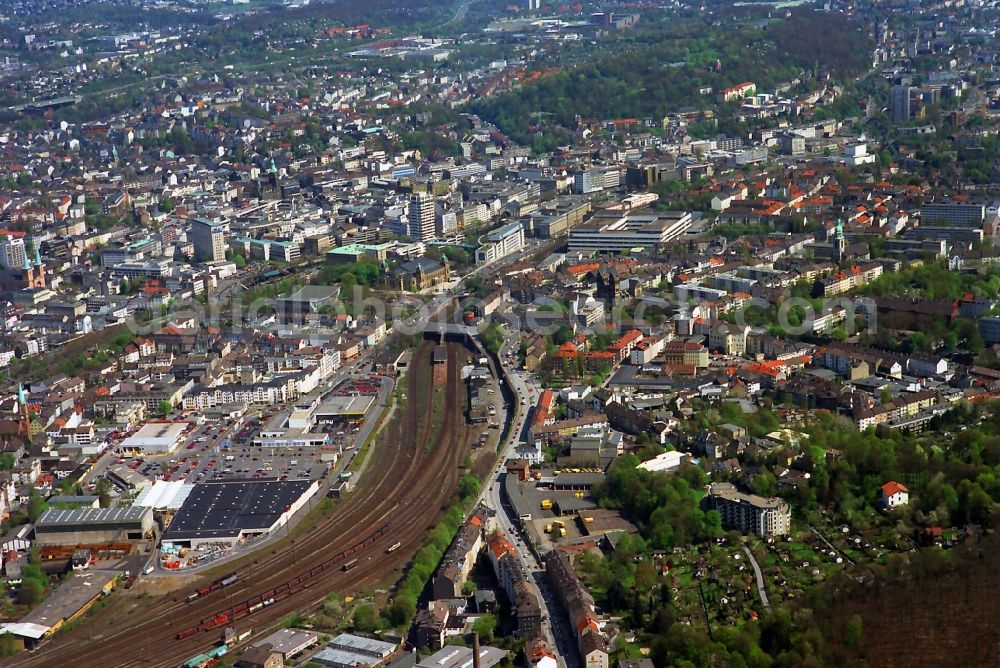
209 658
250 606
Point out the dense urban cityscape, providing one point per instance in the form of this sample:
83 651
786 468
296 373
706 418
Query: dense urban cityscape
453 334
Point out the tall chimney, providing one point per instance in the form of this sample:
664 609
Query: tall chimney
475 649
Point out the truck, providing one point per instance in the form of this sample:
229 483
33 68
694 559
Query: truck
546 504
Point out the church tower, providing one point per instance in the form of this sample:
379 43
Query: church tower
39 267
839 243
29 272
34 273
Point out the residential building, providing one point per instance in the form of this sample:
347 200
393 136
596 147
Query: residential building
421 216
12 250
894 494
899 104
737 92
685 353
209 240
989 329
515 581
749 513
730 339
951 213
458 561
580 608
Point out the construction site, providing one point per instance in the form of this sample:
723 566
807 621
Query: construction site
400 491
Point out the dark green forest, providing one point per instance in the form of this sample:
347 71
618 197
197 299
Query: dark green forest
664 69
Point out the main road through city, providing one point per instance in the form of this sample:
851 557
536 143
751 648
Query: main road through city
554 629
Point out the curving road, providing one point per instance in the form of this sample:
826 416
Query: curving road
555 630
760 578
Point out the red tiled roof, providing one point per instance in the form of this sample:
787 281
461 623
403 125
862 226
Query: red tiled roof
893 487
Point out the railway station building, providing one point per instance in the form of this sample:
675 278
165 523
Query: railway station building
235 511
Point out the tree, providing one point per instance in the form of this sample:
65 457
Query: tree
364 619
68 486
485 626
36 506
468 486
31 592
164 407
852 633
104 492
8 646
167 204
765 484
240 261
7 461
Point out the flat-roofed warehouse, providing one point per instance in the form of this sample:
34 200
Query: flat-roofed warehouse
288 642
154 438
93 525
454 656
576 481
231 511
341 408
69 600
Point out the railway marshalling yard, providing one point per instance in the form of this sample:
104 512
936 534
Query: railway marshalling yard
409 478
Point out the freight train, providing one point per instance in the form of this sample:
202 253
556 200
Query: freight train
224 581
209 658
261 601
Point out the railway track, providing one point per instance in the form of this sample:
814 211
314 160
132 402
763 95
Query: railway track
398 499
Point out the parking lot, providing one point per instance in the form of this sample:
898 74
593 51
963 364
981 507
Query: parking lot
220 450
224 448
